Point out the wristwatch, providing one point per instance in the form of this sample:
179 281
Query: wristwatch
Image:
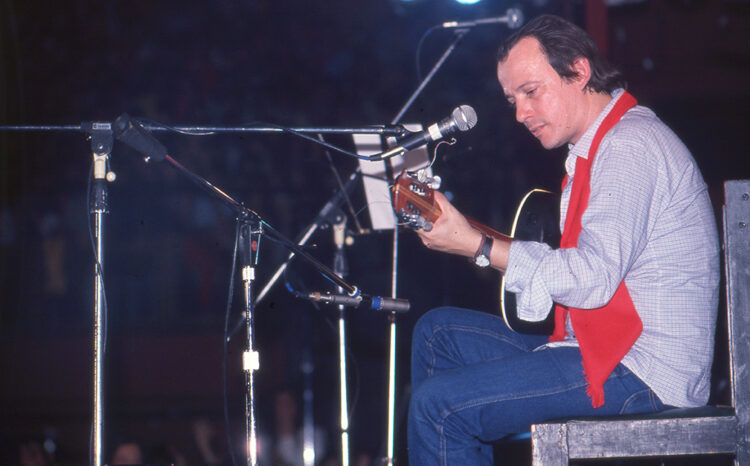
482 256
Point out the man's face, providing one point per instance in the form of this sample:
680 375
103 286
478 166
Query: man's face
548 105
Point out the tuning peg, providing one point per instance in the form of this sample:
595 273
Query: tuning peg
433 182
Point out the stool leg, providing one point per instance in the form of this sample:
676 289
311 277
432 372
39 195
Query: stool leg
549 445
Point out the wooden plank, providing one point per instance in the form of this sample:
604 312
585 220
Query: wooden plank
737 263
653 437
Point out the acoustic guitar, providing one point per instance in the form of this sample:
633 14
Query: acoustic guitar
536 219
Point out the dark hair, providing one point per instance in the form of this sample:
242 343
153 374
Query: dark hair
563 42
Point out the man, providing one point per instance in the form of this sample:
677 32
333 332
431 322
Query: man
635 279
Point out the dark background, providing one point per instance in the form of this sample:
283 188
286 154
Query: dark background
169 246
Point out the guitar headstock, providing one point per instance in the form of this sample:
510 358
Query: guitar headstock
414 202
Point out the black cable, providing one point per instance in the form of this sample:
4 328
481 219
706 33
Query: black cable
151 122
310 138
226 344
341 186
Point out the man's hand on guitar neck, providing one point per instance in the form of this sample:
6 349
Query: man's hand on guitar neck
452 233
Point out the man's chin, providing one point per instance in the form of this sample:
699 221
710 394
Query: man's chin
549 145
543 137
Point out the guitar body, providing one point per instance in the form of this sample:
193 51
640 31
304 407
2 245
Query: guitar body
537 219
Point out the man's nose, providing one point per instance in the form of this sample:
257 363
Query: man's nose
523 111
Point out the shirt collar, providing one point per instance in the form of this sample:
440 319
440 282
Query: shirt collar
581 148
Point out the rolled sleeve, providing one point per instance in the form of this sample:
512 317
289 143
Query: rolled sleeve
533 300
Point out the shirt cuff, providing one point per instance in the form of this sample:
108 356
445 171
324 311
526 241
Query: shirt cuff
524 278
524 258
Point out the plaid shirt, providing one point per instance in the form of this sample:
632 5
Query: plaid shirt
650 222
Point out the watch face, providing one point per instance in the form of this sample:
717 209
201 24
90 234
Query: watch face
482 261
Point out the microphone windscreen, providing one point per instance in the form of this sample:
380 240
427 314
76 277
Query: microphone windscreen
464 117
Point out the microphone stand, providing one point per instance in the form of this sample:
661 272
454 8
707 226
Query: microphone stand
101 147
86 127
252 227
458 35
250 234
340 267
329 212
101 137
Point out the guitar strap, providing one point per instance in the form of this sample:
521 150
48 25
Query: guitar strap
605 334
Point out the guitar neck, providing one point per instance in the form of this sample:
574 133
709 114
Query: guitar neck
489 231
413 202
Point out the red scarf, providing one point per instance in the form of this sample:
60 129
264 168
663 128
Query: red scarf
605 334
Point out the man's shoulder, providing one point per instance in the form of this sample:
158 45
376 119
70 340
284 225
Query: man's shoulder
642 138
639 121
639 126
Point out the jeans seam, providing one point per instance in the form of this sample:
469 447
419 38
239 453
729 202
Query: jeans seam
656 402
444 415
485 401
444 327
572 386
629 401
443 446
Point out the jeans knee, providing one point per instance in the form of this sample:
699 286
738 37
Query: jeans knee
426 325
422 341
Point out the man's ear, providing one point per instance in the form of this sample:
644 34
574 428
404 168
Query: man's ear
582 68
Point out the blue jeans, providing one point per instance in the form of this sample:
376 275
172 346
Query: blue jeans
475 381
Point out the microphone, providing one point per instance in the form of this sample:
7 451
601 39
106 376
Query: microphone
133 134
463 118
376 303
513 18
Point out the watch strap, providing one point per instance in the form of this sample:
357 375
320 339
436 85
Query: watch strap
482 256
